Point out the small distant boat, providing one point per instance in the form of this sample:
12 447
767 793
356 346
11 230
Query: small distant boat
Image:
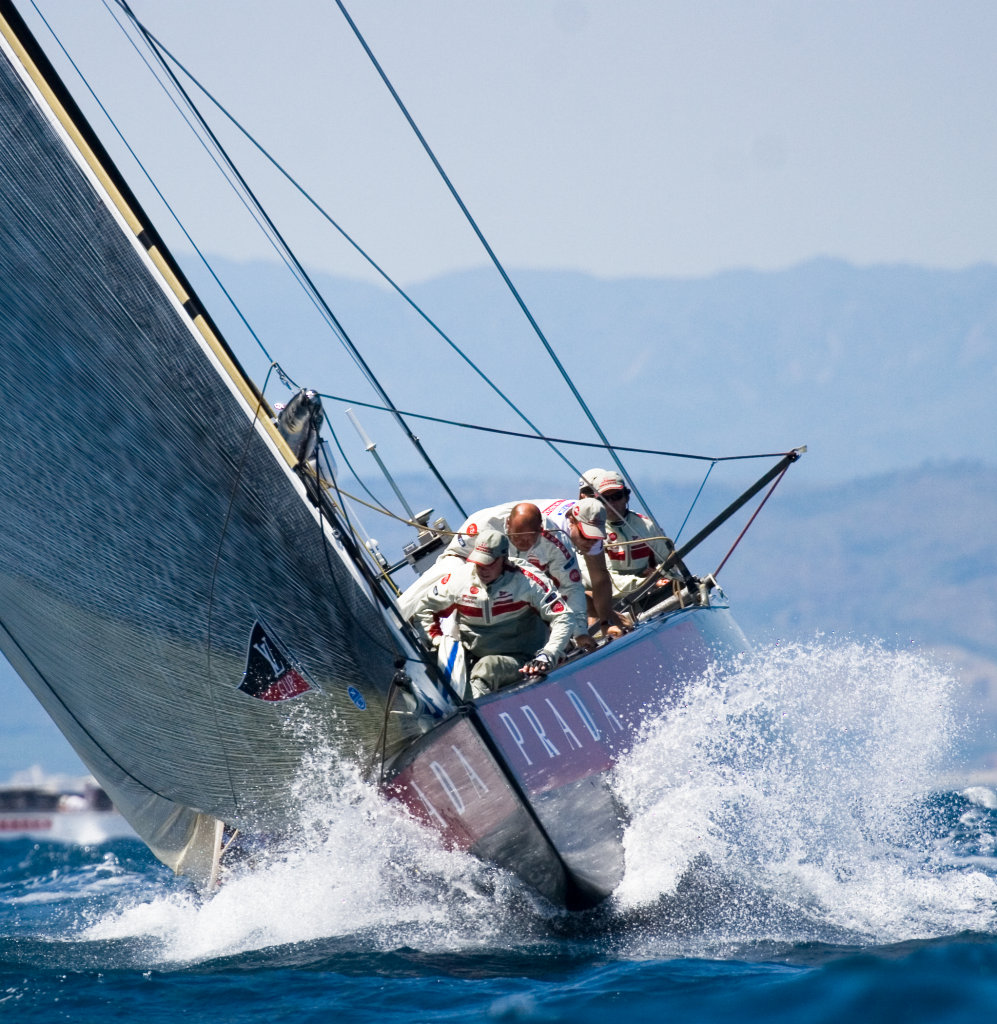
73 811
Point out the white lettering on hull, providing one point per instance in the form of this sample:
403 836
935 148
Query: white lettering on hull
583 713
450 788
606 710
430 809
452 792
569 734
530 716
475 779
559 720
517 736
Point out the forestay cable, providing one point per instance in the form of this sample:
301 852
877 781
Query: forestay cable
491 254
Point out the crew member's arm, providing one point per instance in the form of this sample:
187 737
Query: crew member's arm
569 582
435 602
611 624
551 607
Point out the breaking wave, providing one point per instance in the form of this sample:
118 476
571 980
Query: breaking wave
362 875
799 801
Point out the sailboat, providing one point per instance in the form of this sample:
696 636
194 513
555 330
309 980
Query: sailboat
183 588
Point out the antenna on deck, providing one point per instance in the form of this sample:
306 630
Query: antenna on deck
420 553
371 447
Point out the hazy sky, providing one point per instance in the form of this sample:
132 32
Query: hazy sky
644 137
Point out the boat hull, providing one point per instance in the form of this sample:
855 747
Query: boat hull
538 758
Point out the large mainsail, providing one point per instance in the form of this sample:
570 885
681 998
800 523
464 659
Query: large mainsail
155 543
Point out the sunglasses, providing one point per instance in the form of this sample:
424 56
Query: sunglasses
614 495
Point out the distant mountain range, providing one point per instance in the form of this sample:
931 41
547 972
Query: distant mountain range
876 369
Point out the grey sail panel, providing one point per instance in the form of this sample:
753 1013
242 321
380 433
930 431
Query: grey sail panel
148 524
171 830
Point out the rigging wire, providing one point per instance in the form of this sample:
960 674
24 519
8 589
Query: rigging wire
378 269
156 44
278 238
754 515
491 253
226 172
246 196
696 499
554 440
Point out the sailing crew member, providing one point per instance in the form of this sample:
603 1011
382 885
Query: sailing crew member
584 521
635 544
513 622
537 540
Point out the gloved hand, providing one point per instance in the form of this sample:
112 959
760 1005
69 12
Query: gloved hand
539 666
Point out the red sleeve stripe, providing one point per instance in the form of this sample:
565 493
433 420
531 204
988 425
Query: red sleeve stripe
536 579
434 628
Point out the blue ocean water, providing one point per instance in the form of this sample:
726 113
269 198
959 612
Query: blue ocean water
794 854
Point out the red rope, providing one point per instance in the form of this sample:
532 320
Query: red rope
747 526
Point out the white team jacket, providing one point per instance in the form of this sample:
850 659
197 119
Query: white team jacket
499 617
553 554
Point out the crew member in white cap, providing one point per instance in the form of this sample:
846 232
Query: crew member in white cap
512 620
584 520
635 544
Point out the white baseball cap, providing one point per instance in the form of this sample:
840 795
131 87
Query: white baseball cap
489 546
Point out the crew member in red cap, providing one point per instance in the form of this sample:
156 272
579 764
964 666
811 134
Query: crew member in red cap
635 544
513 622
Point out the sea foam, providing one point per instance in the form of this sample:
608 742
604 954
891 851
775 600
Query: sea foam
361 871
796 801
790 802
